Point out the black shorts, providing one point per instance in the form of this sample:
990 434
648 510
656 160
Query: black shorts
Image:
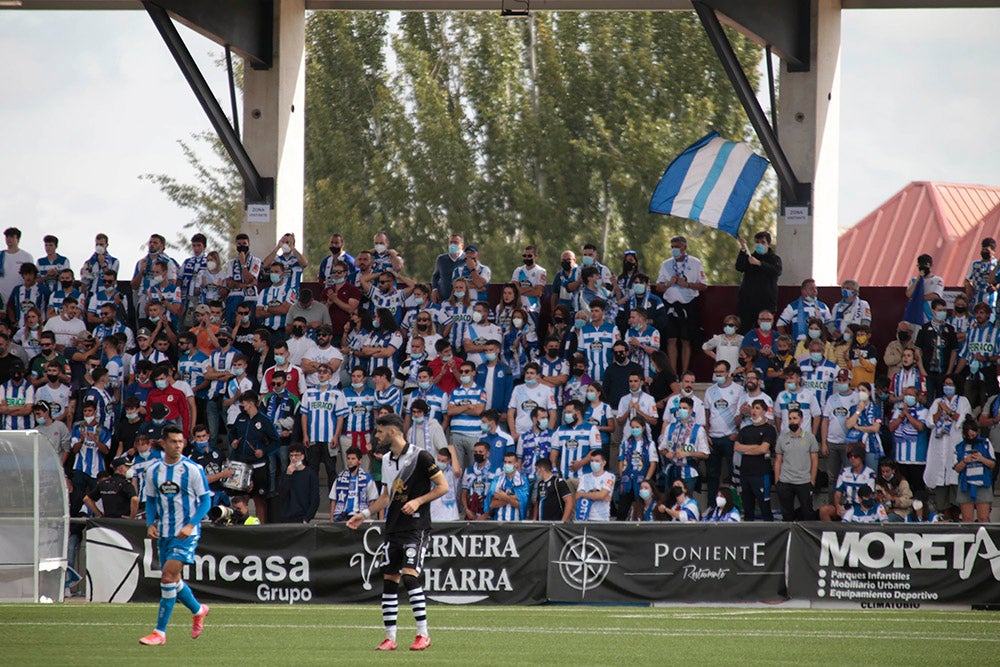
682 320
260 480
404 551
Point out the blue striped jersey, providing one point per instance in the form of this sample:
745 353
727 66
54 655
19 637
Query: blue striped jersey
102 331
392 397
395 301
848 483
465 423
460 319
189 269
45 264
463 271
907 377
907 439
573 443
177 490
322 408
596 343
24 298
818 379
682 438
437 402
105 407
220 361
599 416
360 408
384 339
532 447
292 268
101 296
803 400
517 485
979 340
141 465
650 337
276 295
979 278
191 368
17 395
89 459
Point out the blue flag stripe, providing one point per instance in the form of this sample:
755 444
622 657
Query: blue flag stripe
711 180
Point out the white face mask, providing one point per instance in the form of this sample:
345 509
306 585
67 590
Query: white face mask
720 502
100 250
286 248
518 322
381 247
477 317
211 266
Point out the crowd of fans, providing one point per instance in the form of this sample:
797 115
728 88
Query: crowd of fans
569 397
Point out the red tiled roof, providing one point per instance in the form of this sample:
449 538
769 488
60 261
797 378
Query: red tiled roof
945 220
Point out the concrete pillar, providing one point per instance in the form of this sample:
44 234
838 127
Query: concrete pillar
809 131
274 127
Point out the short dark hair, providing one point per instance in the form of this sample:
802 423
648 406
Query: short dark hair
199 238
353 450
391 420
296 449
171 429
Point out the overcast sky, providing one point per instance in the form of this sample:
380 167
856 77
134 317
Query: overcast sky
91 100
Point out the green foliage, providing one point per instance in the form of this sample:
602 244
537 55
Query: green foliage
215 197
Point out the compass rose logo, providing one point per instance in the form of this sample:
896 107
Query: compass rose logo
584 563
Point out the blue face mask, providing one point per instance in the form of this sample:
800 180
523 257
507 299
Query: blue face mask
201 446
358 385
588 260
847 293
581 324
543 424
161 384
719 379
484 427
645 494
729 329
279 359
910 400
683 413
423 384
492 356
676 253
159 422
948 391
453 248
760 248
791 386
532 382
569 419
591 396
636 432
843 387
508 468
595 466
940 315
418 420
816 356
638 289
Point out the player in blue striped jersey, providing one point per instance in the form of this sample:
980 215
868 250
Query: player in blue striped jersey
458 308
359 423
909 420
90 442
573 442
323 410
275 301
818 375
177 499
596 340
536 443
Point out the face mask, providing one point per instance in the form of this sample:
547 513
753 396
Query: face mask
620 356
339 281
381 247
446 359
791 386
478 458
41 420
918 505
66 284
51 378
816 356
159 422
686 392
89 419
131 416
588 260
985 255
238 371
843 387
683 413
424 384
418 420
279 360
675 253
636 432
466 379
443 466
940 315
517 322
719 379
154 320
100 250
863 396
453 248
910 401
508 468
720 502
477 317
595 466
848 337
161 384
760 248
868 504
569 419
156 280
645 494
948 391
794 428
591 396
765 326
635 392
814 333
459 294
846 293
298 331
532 382
729 329
961 309
201 445
335 249
484 427
358 385
243 249
638 289
580 324
902 336
143 455
528 261
275 278
577 371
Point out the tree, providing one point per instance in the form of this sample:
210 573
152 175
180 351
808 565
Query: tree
216 196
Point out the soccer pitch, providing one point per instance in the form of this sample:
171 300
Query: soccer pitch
107 634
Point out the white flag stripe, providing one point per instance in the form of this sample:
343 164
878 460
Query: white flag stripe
719 198
695 177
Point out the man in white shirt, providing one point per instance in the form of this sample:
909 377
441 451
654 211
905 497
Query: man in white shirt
323 352
636 403
680 281
11 260
525 398
833 432
67 325
593 497
722 403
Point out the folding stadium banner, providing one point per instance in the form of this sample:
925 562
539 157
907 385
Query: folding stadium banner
294 564
891 566
652 562
711 182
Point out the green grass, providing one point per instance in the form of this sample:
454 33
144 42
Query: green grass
269 636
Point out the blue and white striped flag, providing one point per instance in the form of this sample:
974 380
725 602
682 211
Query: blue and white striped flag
711 182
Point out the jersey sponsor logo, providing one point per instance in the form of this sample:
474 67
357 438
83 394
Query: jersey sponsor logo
721 404
840 412
529 405
169 488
